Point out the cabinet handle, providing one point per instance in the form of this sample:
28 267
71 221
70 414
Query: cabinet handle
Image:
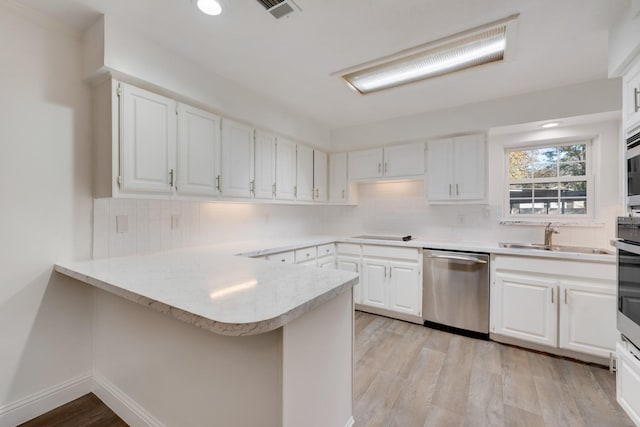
342 194
218 182
385 272
273 189
171 178
553 291
386 167
390 271
295 191
450 193
566 296
636 104
379 167
252 187
457 190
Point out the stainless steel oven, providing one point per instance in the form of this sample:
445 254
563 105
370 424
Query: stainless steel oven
628 245
633 167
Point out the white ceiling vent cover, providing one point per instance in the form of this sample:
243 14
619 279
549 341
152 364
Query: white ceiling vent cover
279 8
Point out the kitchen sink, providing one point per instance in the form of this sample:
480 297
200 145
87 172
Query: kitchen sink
558 248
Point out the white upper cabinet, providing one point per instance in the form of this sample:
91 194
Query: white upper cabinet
198 152
365 164
404 160
456 169
395 161
320 168
265 165
338 177
237 159
285 169
147 141
304 176
631 97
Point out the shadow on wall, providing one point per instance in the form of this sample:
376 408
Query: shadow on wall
49 325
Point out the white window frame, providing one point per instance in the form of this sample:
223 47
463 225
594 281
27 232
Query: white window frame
589 217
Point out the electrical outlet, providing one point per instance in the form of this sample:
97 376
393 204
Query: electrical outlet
122 224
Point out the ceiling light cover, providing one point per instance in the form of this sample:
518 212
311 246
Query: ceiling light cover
481 48
209 7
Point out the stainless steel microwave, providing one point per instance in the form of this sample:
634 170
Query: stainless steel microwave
633 167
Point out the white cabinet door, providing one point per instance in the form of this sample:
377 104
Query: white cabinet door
304 173
588 319
320 176
628 383
439 175
456 168
405 290
352 264
469 167
237 159
147 141
631 96
198 152
404 160
374 283
282 257
338 177
526 308
328 262
285 169
365 164
265 165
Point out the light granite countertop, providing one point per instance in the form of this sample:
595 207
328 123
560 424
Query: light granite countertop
211 288
221 289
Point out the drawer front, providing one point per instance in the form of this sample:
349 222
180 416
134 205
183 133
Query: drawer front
628 383
409 254
284 257
349 249
326 250
305 254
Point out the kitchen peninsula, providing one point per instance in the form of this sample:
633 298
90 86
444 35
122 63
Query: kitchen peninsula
270 342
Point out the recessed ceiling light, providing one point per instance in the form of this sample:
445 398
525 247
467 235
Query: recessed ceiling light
209 7
549 125
477 46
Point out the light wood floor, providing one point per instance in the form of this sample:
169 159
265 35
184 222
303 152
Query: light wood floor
409 375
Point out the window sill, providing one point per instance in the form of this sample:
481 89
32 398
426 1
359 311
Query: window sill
555 222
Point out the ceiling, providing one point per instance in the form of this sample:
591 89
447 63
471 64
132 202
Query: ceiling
558 42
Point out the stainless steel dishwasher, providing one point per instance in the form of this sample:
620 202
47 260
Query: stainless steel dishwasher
455 295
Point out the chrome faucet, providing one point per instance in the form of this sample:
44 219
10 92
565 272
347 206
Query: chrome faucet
549 231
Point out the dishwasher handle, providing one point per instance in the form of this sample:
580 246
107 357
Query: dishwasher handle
458 258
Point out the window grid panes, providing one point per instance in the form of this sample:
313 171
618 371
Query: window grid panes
549 180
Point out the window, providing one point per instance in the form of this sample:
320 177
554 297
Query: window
549 180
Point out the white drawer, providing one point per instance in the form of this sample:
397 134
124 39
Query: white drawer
628 383
305 254
349 249
410 254
326 250
285 257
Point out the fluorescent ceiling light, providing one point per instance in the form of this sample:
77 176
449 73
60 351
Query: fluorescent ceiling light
209 7
550 125
471 48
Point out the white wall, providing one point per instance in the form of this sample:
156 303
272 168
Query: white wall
126 52
400 207
45 183
576 100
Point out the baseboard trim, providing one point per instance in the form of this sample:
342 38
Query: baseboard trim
123 405
350 423
44 401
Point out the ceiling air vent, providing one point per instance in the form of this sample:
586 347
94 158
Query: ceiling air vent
279 8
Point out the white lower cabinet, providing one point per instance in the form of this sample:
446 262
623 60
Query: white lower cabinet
526 308
588 319
391 279
351 263
570 305
628 381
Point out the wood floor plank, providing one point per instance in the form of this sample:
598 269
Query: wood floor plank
557 403
485 404
516 417
452 390
374 408
518 386
412 406
441 417
86 411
